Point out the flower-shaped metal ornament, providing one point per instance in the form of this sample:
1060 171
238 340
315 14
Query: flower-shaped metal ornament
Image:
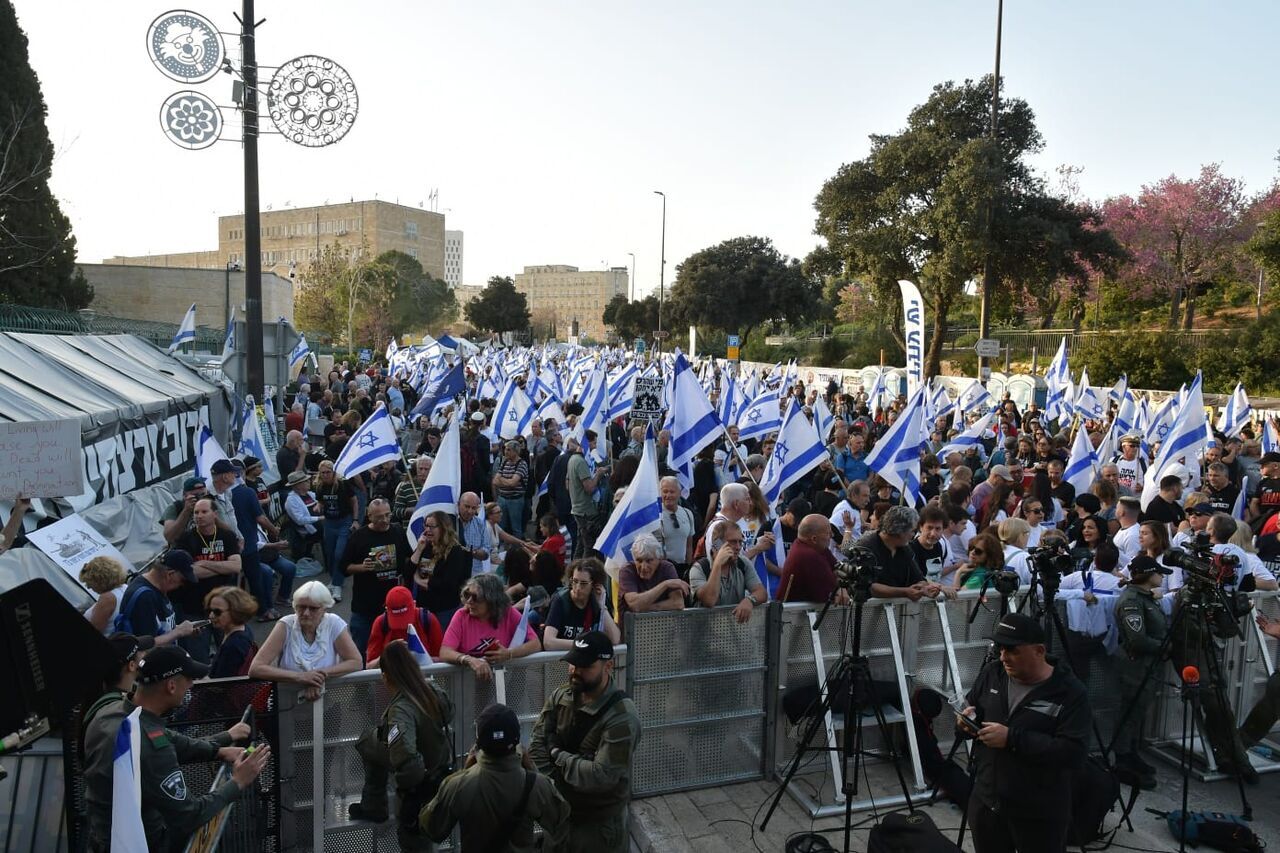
312 101
185 46
191 120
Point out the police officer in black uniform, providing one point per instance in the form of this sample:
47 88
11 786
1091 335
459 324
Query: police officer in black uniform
1142 631
171 812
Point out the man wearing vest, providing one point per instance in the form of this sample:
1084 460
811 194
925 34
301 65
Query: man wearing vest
584 740
498 794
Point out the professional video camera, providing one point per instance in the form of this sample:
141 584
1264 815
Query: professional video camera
1211 582
1050 563
857 572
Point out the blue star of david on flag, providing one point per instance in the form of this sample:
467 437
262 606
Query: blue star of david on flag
780 451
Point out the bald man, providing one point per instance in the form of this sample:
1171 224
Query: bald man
809 573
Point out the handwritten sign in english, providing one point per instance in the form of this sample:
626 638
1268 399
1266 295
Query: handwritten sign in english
40 459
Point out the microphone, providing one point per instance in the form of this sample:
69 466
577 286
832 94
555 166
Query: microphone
1191 676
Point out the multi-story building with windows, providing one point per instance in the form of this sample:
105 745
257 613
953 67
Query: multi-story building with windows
453 259
560 294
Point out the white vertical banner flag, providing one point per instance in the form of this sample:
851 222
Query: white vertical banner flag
913 334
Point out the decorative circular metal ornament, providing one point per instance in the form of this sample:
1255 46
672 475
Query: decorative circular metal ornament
191 120
312 101
185 46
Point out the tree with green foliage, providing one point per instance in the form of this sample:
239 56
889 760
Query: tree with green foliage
739 284
917 207
632 320
419 302
37 249
499 307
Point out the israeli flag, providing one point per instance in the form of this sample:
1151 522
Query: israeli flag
443 488
640 509
1236 414
1087 405
550 408
372 444
208 451
729 404
1162 420
392 349
1242 500
416 647
441 393
299 353
622 391
1058 380
251 443
974 396
1082 467
1186 438
798 450
876 396
822 418
762 417
513 412
940 404
186 333
542 488
971 437
1120 390
896 456
229 340
1270 438
520 635
694 423
127 833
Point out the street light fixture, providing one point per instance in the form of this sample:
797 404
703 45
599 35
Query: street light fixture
633 276
662 270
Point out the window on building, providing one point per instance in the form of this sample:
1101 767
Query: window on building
411 229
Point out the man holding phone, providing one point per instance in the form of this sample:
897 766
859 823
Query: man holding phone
377 556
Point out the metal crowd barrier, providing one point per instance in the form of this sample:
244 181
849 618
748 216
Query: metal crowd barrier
709 693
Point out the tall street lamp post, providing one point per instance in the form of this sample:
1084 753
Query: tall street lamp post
662 269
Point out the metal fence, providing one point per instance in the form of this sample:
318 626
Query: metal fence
708 690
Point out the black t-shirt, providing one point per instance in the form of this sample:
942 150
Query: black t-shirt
825 503
896 569
929 560
146 611
286 464
1161 510
336 500
1268 496
569 620
390 550
189 598
447 580
1222 500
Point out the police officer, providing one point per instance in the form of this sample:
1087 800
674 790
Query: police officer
1142 632
99 726
584 740
171 813
1033 718
411 741
498 794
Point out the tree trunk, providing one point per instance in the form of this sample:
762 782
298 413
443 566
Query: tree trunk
933 359
1175 307
1189 316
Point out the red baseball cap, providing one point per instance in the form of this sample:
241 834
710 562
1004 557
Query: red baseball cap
400 608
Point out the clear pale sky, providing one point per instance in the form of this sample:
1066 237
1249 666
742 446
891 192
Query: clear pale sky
547 125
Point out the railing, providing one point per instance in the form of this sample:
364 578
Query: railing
708 690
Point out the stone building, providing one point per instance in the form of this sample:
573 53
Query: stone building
560 294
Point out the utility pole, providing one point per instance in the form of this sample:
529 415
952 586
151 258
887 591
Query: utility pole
254 371
988 269
662 269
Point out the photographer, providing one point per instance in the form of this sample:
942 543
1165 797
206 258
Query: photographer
898 575
1031 719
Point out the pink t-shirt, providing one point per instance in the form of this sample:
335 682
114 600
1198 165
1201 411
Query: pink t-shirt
472 636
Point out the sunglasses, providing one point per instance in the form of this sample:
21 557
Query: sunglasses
470 596
976 551
215 612
675 521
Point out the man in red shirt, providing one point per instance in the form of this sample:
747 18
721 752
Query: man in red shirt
393 624
809 573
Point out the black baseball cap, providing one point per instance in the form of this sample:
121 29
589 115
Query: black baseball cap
589 648
1017 629
126 647
222 466
1144 564
180 562
498 730
168 662
192 483
1202 508
1269 457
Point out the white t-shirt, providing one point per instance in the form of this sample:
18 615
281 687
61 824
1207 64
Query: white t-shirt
837 518
1131 473
1126 542
1015 560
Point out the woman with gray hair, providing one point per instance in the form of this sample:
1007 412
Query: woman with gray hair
487 630
649 582
309 645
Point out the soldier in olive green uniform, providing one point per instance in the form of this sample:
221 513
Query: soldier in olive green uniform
171 812
1142 631
411 741
584 740
498 794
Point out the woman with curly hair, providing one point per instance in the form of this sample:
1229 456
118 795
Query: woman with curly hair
107 578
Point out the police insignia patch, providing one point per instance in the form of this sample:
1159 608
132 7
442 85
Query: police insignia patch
175 785
1133 621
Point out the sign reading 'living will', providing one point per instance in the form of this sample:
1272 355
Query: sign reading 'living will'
40 459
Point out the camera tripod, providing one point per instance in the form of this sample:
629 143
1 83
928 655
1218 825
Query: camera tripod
1191 619
850 677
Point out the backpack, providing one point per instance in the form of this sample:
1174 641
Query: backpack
913 832
1214 829
124 619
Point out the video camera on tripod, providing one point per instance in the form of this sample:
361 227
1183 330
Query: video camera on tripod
857 572
1211 583
1049 563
